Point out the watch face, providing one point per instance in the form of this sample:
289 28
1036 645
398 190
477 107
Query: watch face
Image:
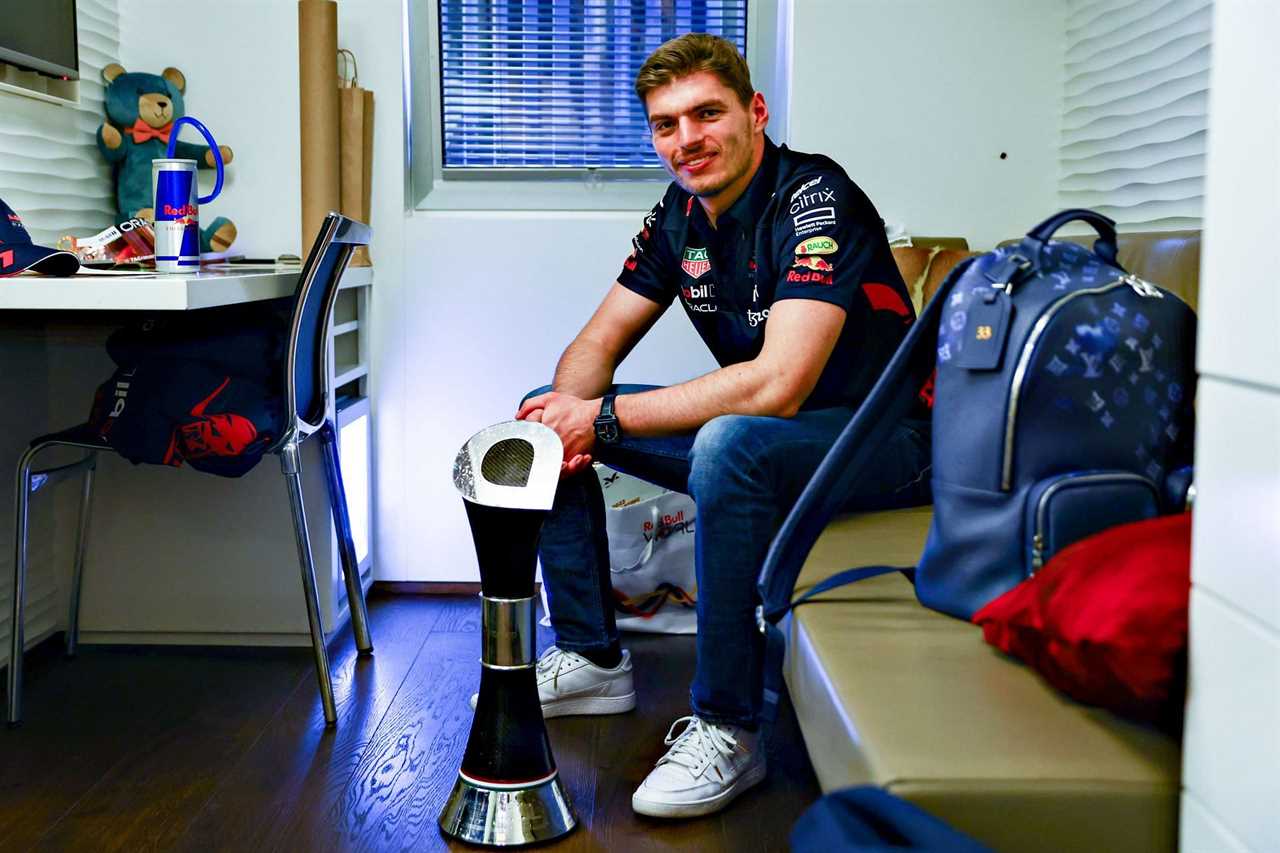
607 430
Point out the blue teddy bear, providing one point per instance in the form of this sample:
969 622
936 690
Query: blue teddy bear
141 110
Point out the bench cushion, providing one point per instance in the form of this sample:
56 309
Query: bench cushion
890 693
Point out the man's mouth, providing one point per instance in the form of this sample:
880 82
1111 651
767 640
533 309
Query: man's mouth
693 165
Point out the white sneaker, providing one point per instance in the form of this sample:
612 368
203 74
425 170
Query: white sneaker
707 766
570 684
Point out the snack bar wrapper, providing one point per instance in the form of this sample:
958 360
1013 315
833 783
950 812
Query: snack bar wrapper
131 241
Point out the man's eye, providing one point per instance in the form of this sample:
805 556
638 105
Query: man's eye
710 113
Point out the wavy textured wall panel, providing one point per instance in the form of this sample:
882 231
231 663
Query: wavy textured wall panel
1135 110
50 168
52 174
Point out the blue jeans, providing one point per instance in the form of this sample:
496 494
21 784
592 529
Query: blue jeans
744 473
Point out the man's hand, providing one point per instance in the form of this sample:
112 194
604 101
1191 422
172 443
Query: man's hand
572 418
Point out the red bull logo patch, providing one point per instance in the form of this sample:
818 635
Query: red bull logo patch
812 263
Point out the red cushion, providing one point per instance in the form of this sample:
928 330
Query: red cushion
1105 620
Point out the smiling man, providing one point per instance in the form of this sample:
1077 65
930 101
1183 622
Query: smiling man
782 265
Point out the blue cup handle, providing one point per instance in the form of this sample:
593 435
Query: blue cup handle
213 146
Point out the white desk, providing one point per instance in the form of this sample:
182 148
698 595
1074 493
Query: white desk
174 556
211 287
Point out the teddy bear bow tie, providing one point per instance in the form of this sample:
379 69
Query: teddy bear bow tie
141 132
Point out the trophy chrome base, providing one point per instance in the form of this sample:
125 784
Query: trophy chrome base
507 815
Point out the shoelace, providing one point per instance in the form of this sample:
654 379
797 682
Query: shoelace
554 658
698 745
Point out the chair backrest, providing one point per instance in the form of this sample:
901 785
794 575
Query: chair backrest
305 362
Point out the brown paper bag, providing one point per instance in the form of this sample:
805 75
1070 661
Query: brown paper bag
355 124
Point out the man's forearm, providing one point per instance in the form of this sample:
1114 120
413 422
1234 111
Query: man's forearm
739 389
584 370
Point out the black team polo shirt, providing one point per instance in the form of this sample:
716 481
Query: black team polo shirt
802 230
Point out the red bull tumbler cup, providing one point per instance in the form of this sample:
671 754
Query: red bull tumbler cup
177 204
177 218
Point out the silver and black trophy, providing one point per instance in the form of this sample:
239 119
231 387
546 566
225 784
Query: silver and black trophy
508 790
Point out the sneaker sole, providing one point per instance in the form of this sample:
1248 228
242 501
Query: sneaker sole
584 706
697 808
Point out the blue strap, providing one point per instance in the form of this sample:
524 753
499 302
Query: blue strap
775 644
837 476
848 576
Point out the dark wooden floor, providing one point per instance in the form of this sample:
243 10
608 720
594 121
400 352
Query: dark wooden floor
147 748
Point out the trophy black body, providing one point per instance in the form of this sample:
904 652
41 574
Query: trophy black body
508 790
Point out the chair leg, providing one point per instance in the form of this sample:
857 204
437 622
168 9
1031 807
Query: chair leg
346 546
291 467
21 503
82 543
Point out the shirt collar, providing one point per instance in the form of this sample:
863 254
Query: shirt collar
749 207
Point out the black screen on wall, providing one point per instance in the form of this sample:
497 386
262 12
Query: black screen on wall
41 35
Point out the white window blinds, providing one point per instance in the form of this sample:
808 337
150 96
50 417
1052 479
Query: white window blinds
1135 110
538 84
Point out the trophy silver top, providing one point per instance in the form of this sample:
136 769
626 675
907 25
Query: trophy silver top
514 464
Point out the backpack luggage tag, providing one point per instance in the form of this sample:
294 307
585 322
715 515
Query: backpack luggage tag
986 330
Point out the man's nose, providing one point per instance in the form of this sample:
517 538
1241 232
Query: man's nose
689 133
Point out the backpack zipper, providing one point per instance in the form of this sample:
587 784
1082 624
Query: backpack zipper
1037 541
1141 287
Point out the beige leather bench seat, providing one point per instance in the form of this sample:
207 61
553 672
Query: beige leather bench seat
890 693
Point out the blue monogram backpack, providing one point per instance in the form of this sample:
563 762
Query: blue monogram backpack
1062 405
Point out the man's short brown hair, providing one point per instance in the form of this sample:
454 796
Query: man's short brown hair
689 54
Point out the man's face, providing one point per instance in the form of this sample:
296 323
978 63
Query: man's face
706 138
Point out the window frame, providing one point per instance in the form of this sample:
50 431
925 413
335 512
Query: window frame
428 188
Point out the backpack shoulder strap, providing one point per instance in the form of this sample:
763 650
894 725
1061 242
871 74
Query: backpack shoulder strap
889 401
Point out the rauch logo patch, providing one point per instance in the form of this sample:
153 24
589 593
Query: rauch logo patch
817 246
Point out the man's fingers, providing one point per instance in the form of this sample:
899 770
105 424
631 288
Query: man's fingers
531 404
574 465
534 416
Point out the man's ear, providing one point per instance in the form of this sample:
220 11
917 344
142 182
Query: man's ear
176 78
759 111
112 71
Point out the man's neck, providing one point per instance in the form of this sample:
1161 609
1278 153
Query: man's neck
723 200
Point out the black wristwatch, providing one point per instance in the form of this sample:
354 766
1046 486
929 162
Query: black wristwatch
606 423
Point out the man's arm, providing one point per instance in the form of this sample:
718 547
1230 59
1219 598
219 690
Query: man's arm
587 365
799 338
585 371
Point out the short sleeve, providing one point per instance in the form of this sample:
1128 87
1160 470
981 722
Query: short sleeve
647 270
824 241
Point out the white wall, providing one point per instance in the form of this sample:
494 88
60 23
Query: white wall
490 300
491 297
918 98
1232 742
471 309
241 65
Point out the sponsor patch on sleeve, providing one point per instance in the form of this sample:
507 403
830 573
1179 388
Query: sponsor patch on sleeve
812 207
817 246
814 219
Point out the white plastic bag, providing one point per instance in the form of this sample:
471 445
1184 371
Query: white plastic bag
651 530
651 533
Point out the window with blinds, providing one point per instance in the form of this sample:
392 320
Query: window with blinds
548 84
1135 110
